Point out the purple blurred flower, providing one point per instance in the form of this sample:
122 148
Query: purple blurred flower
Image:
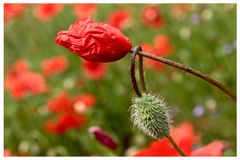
227 48
103 137
198 111
195 18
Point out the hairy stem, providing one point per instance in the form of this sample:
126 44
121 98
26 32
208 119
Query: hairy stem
132 72
175 145
189 70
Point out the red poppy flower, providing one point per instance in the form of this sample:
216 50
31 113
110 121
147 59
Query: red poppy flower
151 16
94 70
65 122
86 100
21 82
151 63
26 83
95 42
65 104
45 12
120 19
215 148
54 65
161 47
62 103
7 153
85 10
20 65
184 138
68 112
103 137
13 10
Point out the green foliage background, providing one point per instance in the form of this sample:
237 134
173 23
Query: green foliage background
28 38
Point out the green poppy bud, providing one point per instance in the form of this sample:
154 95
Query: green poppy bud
149 114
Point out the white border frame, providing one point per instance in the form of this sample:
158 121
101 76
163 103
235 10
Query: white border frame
104 1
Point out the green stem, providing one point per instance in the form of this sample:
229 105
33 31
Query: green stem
175 145
189 70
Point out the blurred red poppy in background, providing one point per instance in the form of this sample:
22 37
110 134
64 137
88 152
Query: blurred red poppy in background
45 12
184 138
151 64
151 16
94 70
120 19
84 10
7 153
20 81
70 112
54 65
64 122
84 101
62 103
20 65
12 11
161 47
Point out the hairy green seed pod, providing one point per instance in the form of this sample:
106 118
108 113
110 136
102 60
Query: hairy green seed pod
149 114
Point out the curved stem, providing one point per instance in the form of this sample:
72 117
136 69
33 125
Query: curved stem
132 72
189 70
141 73
175 145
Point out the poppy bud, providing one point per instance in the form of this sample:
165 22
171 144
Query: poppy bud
103 137
149 114
94 42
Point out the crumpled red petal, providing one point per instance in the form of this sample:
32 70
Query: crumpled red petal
94 42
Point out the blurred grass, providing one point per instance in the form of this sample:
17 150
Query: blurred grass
28 38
